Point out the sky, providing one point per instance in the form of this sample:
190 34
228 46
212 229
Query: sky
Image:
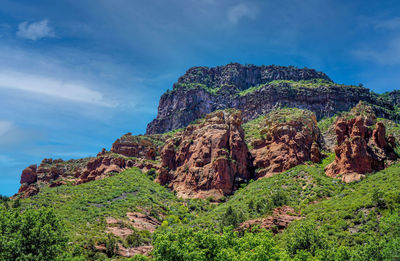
76 75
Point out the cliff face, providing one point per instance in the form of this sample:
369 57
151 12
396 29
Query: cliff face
362 145
288 137
256 90
207 159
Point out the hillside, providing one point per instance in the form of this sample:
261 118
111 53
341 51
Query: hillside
241 183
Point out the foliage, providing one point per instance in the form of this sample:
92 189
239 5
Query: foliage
314 83
185 243
31 235
296 187
83 208
325 123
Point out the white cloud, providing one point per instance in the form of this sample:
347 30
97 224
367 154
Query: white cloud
237 12
42 85
388 55
389 24
35 30
5 126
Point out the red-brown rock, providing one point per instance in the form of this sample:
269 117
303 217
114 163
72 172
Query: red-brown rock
290 138
360 149
277 222
29 175
207 159
141 146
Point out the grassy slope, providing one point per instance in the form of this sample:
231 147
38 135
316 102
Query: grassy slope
84 207
353 214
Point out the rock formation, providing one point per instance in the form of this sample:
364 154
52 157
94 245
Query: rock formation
362 145
141 146
289 137
209 158
49 173
277 222
256 90
55 173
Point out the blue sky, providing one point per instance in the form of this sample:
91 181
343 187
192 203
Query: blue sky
76 75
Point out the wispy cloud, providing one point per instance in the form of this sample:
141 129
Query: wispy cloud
388 24
5 126
42 85
388 54
240 11
35 30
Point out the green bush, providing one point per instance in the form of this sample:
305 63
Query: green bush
31 235
186 244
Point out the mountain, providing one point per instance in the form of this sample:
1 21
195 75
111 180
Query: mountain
274 177
256 90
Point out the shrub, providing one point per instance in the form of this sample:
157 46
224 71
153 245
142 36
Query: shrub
186 243
31 235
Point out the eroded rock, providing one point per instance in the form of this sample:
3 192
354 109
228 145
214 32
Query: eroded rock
289 137
207 159
362 145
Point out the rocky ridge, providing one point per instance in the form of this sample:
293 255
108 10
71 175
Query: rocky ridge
127 152
257 90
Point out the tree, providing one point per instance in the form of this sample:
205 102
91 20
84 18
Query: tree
31 235
186 243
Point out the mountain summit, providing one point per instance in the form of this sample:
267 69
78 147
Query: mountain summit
256 90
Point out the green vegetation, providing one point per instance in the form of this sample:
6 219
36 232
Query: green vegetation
186 244
193 86
296 187
31 235
314 83
84 208
325 123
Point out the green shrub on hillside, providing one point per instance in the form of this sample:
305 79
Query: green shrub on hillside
31 235
186 244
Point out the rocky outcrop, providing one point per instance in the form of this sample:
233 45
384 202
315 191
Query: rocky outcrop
255 91
142 151
100 167
50 172
277 222
362 145
29 175
55 173
140 146
209 158
289 137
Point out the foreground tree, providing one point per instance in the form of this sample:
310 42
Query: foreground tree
31 235
186 243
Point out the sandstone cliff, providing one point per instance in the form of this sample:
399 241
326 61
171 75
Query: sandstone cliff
256 90
362 145
207 159
283 139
